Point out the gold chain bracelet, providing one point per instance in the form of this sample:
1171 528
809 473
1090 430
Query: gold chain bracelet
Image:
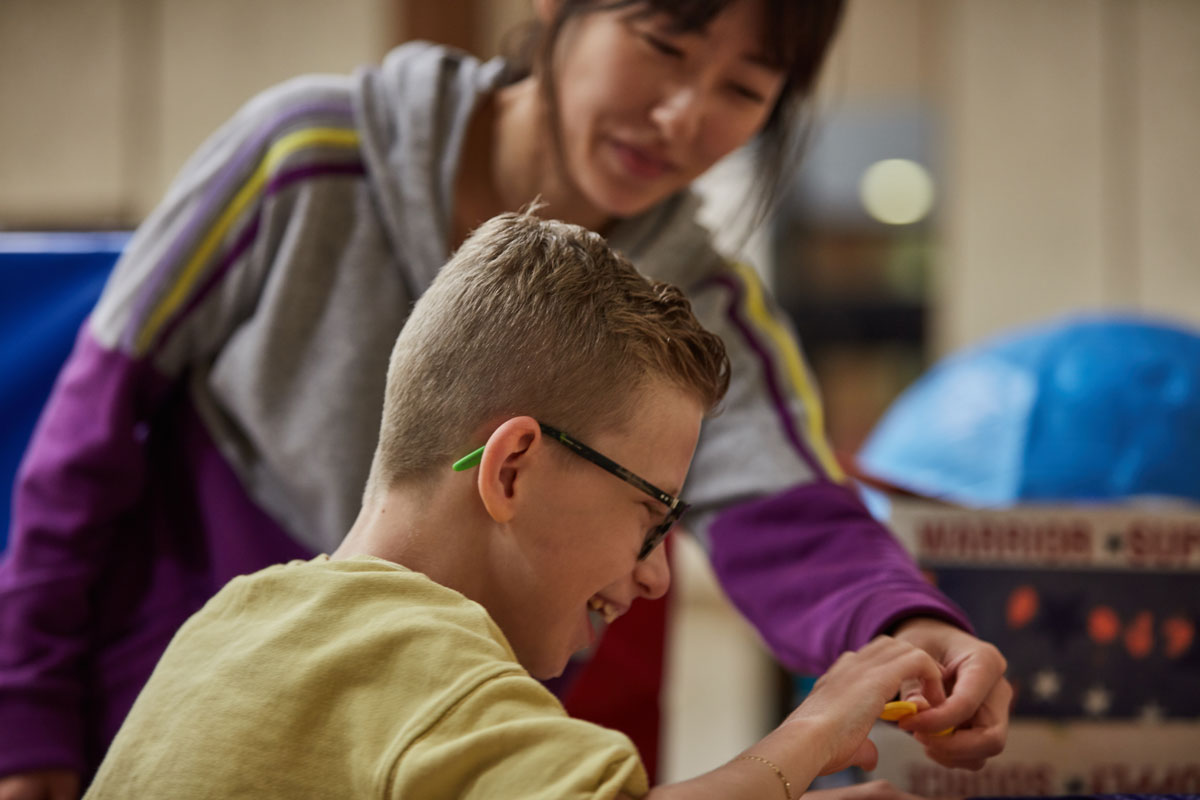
787 785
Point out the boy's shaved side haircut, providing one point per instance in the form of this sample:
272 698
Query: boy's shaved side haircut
540 318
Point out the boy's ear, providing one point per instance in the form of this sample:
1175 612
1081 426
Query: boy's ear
505 463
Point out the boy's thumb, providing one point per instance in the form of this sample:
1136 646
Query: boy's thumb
866 757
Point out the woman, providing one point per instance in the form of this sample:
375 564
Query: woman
221 405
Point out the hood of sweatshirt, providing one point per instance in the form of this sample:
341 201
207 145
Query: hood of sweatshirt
413 113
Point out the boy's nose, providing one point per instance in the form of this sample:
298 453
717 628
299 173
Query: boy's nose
653 575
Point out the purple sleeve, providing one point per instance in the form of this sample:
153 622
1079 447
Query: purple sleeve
84 467
817 575
170 303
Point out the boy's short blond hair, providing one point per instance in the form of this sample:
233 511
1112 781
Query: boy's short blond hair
539 318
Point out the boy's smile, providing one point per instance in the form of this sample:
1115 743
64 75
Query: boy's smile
606 608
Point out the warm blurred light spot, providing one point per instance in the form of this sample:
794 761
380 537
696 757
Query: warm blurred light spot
896 191
1178 632
1103 625
1139 636
1022 606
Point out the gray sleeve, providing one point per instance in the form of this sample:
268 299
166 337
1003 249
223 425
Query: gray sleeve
768 434
198 262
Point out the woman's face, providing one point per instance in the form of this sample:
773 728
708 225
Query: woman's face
644 109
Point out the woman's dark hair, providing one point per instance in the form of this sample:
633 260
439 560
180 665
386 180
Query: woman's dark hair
799 34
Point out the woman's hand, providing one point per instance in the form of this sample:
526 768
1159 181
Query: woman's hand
978 699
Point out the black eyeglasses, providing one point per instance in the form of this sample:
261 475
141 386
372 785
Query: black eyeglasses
675 506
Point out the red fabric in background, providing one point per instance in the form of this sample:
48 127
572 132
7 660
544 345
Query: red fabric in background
621 685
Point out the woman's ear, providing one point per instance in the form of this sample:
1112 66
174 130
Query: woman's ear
505 464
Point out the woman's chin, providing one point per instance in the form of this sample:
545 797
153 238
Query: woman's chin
616 199
624 207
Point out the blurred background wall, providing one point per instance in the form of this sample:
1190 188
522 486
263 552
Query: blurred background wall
101 101
1060 140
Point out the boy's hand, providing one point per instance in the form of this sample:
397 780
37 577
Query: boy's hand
979 695
847 699
50 784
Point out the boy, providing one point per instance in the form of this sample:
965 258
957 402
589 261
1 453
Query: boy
403 665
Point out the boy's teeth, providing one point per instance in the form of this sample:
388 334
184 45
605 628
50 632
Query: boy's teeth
602 606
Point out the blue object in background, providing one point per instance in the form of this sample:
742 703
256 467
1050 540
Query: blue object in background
1084 408
48 284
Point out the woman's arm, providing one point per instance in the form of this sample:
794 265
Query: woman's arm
85 466
793 546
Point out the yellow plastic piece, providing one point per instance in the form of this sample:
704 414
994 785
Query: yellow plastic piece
899 709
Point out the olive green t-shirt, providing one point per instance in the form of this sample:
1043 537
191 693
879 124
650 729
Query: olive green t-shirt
355 678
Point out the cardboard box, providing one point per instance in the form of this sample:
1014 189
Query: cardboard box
1096 609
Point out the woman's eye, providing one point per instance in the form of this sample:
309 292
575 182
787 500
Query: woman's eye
747 93
663 46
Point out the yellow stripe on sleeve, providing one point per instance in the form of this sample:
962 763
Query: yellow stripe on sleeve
785 345
286 146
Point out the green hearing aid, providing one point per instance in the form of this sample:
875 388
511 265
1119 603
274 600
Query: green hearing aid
471 459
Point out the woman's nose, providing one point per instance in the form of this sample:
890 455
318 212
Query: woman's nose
653 574
678 112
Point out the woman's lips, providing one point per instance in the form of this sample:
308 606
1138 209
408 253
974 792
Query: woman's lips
641 162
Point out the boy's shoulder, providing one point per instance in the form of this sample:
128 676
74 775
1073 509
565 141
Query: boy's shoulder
368 597
307 628
377 653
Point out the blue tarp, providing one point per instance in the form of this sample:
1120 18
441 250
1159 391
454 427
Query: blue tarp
1086 408
48 284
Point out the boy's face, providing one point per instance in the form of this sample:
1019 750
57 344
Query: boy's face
582 527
